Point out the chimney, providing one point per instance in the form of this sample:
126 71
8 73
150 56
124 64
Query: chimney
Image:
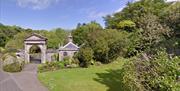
70 38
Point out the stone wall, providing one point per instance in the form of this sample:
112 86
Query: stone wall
69 54
49 57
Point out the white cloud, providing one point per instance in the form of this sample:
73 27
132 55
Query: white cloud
36 4
120 9
93 13
96 14
166 0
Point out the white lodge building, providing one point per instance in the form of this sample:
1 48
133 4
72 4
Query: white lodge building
67 50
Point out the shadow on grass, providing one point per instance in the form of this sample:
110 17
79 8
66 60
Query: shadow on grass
112 79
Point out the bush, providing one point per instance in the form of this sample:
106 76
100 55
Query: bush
67 60
51 66
13 67
11 64
75 60
85 56
2 49
6 56
151 73
61 64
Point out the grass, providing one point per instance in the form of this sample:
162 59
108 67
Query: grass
96 78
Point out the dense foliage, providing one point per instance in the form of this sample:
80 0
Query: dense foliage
85 56
143 27
10 36
13 67
50 66
139 31
81 32
10 63
151 73
56 65
156 25
7 32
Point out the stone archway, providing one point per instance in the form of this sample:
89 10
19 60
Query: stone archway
40 41
35 54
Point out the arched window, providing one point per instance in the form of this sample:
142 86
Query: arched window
65 54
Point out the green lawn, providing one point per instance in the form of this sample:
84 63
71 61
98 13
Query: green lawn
99 78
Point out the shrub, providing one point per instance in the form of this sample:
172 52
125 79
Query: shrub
75 60
2 49
13 67
85 55
51 66
67 60
154 73
8 55
11 64
61 64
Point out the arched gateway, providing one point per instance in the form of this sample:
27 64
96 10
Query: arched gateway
38 40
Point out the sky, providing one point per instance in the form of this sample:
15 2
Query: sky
50 14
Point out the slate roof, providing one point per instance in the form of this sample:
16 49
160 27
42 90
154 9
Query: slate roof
69 47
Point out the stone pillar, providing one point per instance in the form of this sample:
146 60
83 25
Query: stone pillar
43 53
59 55
26 52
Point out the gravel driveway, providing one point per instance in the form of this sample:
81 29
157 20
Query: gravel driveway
23 81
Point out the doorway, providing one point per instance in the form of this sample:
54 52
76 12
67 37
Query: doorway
35 54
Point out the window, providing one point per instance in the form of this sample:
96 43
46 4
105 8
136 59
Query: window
65 54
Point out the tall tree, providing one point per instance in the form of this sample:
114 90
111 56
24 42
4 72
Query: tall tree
135 10
80 34
172 17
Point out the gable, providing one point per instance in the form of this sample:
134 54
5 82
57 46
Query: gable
71 46
35 37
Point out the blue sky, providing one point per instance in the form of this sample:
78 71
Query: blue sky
49 14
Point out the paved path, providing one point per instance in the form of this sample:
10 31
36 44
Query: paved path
22 81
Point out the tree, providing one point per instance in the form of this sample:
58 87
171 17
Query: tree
108 44
151 72
85 56
10 31
7 33
55 37
172 17
80 34
97 41
153 31
126 25
135 10
18 41
62 35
